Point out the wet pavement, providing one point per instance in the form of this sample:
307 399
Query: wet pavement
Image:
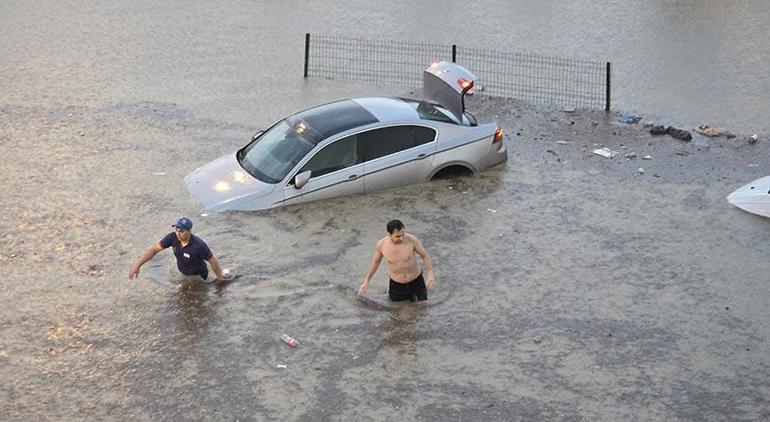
569 286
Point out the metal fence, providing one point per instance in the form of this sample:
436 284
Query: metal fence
530 77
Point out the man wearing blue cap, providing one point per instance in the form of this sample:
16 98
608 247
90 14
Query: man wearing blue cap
191 253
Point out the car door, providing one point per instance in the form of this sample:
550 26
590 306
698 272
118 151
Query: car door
397 155
335 170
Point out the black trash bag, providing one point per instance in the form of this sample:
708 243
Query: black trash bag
679 133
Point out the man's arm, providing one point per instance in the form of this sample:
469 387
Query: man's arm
216 268
146 256
426 259
372 268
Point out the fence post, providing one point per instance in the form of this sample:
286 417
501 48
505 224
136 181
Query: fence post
607 96
307 51
454 53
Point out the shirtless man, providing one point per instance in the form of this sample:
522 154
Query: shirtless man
399 247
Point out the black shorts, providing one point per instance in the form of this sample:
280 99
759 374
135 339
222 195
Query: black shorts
411 291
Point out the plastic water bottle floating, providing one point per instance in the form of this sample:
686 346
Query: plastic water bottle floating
289 340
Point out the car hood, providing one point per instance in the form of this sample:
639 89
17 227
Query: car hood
223 184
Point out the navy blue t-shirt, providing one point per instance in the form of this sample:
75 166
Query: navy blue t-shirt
191 259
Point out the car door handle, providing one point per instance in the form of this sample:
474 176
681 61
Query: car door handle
421 156
353 177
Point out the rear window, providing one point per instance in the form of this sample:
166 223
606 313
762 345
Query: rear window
430 111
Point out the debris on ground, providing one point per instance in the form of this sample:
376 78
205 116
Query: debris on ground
680 134
94 270
641 170
682 153
710 131
568 109
629 118
647 157
753 139
605 152
630 155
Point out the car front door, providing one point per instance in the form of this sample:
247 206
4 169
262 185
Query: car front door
335 170
397 155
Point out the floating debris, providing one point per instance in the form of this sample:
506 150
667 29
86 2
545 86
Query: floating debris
629 119
710 131
605 152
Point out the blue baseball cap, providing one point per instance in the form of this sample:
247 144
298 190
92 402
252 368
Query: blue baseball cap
183 223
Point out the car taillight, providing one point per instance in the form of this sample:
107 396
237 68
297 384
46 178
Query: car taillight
498 136
465 84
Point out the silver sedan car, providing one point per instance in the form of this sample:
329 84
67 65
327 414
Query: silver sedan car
354 146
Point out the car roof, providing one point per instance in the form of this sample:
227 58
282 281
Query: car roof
330 119
388 109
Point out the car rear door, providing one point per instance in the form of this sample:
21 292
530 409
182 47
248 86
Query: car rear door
397 155
335 170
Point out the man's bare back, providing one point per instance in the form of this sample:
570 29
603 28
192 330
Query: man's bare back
399 249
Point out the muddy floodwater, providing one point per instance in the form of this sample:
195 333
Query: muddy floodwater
569 286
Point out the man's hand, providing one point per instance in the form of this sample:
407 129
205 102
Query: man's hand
133 273
364 286
431 281
225 277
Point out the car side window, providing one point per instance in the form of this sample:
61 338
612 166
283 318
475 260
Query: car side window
338 155
423 135
389 140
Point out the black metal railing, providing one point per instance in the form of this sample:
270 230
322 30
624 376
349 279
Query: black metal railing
530 77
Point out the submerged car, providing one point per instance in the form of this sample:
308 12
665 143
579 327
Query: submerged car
355 146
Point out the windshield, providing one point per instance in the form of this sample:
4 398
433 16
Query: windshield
277 151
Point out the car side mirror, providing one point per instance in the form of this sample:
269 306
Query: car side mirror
257 135
301 179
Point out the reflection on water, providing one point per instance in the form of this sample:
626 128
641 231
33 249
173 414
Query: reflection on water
195 308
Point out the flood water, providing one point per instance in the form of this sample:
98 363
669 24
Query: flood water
569 289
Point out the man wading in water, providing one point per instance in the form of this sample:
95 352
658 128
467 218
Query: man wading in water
399 248
191 253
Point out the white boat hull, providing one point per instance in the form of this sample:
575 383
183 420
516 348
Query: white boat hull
754 197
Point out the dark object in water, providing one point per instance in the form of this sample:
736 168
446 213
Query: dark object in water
679 133
676 133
